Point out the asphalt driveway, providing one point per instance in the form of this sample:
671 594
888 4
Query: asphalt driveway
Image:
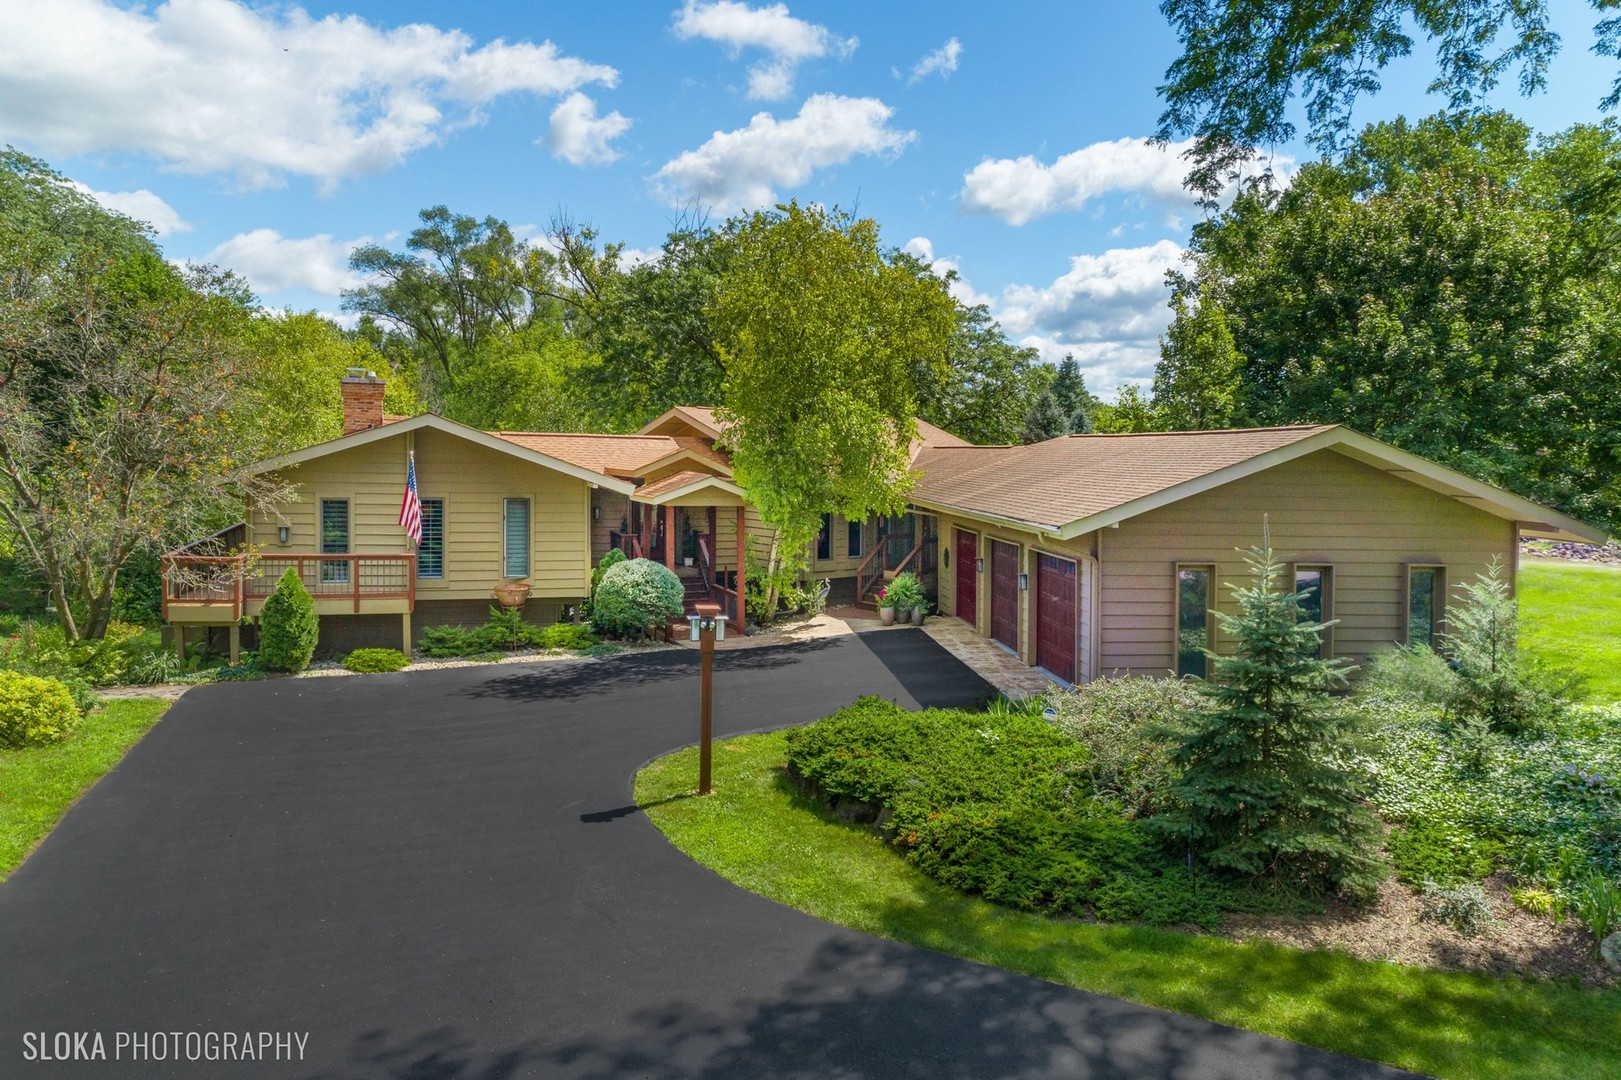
439 874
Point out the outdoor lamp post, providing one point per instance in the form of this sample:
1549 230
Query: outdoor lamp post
706 628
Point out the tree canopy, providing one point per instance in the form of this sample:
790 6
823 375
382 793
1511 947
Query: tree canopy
1244 61
1448 286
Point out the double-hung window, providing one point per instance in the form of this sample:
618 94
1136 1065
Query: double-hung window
335 541
515 557
431 552
824 539
1426 604
1193 602
856 538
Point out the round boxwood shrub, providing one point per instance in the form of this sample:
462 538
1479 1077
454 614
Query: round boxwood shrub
34 710
372 660
636 596
288 626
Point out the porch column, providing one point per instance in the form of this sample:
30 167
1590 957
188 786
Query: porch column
742 620
180 642
405 632
714 554
669 535
235 637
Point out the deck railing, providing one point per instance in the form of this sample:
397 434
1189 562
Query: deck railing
232 580
870 573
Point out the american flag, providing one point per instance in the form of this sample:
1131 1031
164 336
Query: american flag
411 506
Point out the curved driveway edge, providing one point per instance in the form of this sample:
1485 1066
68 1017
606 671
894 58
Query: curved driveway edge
441 875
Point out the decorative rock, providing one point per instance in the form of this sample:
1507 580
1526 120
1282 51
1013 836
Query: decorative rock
1609 951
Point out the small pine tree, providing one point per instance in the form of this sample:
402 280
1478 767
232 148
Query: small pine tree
1266 789
288 626
1045 420
1496 689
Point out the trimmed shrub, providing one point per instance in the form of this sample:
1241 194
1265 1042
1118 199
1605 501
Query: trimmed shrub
996 804
1429 850
34 710
375 660
288 626
566 636
447 642
506 629
612 559
636 596
1122 725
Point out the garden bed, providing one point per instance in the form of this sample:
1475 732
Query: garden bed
1392 927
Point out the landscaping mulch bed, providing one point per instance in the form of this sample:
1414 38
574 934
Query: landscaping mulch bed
1517 942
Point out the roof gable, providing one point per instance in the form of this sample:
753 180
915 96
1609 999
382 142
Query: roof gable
434 421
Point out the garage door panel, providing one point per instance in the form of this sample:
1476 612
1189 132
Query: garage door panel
967 577
1005 593
1056 581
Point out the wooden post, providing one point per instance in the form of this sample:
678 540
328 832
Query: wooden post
669 536
742 547
180 642
405 632
706 693
714 554
235 637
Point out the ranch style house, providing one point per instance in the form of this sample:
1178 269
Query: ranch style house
1084 555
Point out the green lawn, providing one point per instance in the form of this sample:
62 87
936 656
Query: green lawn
37 785
1570 616
757 832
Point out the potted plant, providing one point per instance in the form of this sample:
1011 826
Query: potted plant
886 607
906 593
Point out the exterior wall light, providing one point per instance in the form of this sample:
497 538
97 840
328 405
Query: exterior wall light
1024 582
979 566
283 535
945 557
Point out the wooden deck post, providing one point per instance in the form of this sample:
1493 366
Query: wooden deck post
180 642
405 632
742 547
669 536
234 634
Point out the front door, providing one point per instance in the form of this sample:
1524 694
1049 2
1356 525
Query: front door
967 577
1005 594
1055 615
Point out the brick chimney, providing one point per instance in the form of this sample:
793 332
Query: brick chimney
362 400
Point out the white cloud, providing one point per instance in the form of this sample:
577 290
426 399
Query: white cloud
141 205
923 248
788 41
942 62
581 137
631 257
1022 189
274 263
742 169
1109 310
216 86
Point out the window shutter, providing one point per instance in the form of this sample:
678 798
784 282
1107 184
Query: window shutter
517 538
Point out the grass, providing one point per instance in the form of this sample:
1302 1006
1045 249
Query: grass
1570 616
38 784
762 835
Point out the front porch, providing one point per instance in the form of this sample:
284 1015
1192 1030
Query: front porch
696 525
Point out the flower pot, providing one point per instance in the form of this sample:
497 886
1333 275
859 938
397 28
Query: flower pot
886 615
917 616
511 595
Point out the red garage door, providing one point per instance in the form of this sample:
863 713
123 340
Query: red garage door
1005 594
1055 616
967 577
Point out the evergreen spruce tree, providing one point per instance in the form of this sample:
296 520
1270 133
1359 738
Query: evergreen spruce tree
1075 401
1267 788
1045 420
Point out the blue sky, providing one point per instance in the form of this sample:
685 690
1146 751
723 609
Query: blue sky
1000 139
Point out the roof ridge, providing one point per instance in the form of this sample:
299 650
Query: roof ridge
583 434
1196 431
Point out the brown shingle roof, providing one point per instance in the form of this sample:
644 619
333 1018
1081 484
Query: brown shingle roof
674 482
1054 483
606 454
